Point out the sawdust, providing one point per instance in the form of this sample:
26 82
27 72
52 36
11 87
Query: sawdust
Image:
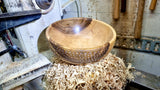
109 73
138 73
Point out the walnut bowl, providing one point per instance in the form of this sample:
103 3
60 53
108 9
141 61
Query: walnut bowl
81 40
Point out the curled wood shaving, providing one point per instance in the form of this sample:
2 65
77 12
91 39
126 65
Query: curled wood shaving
109 73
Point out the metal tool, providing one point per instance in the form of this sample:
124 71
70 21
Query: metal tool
18 73
16 49
44 4
9 20
23 71
146 44
145 81
13 19
21 13
12 49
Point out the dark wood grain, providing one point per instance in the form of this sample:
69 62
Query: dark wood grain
69 26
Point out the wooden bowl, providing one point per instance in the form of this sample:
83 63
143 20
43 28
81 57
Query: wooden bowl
81 40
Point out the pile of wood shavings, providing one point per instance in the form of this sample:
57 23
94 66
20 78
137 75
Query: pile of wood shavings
109 73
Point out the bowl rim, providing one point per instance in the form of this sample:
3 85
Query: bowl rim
77 49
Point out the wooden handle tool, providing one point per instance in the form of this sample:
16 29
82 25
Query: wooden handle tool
116 9
138 27
123 5
153 5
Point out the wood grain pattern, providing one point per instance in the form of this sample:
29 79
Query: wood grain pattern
153 5
68 27
138 27
83 46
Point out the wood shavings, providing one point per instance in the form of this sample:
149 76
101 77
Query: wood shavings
138 73
109 73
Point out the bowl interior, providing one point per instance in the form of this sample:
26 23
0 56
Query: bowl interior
80 33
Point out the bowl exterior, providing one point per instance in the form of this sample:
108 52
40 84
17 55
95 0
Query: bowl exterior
80 56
